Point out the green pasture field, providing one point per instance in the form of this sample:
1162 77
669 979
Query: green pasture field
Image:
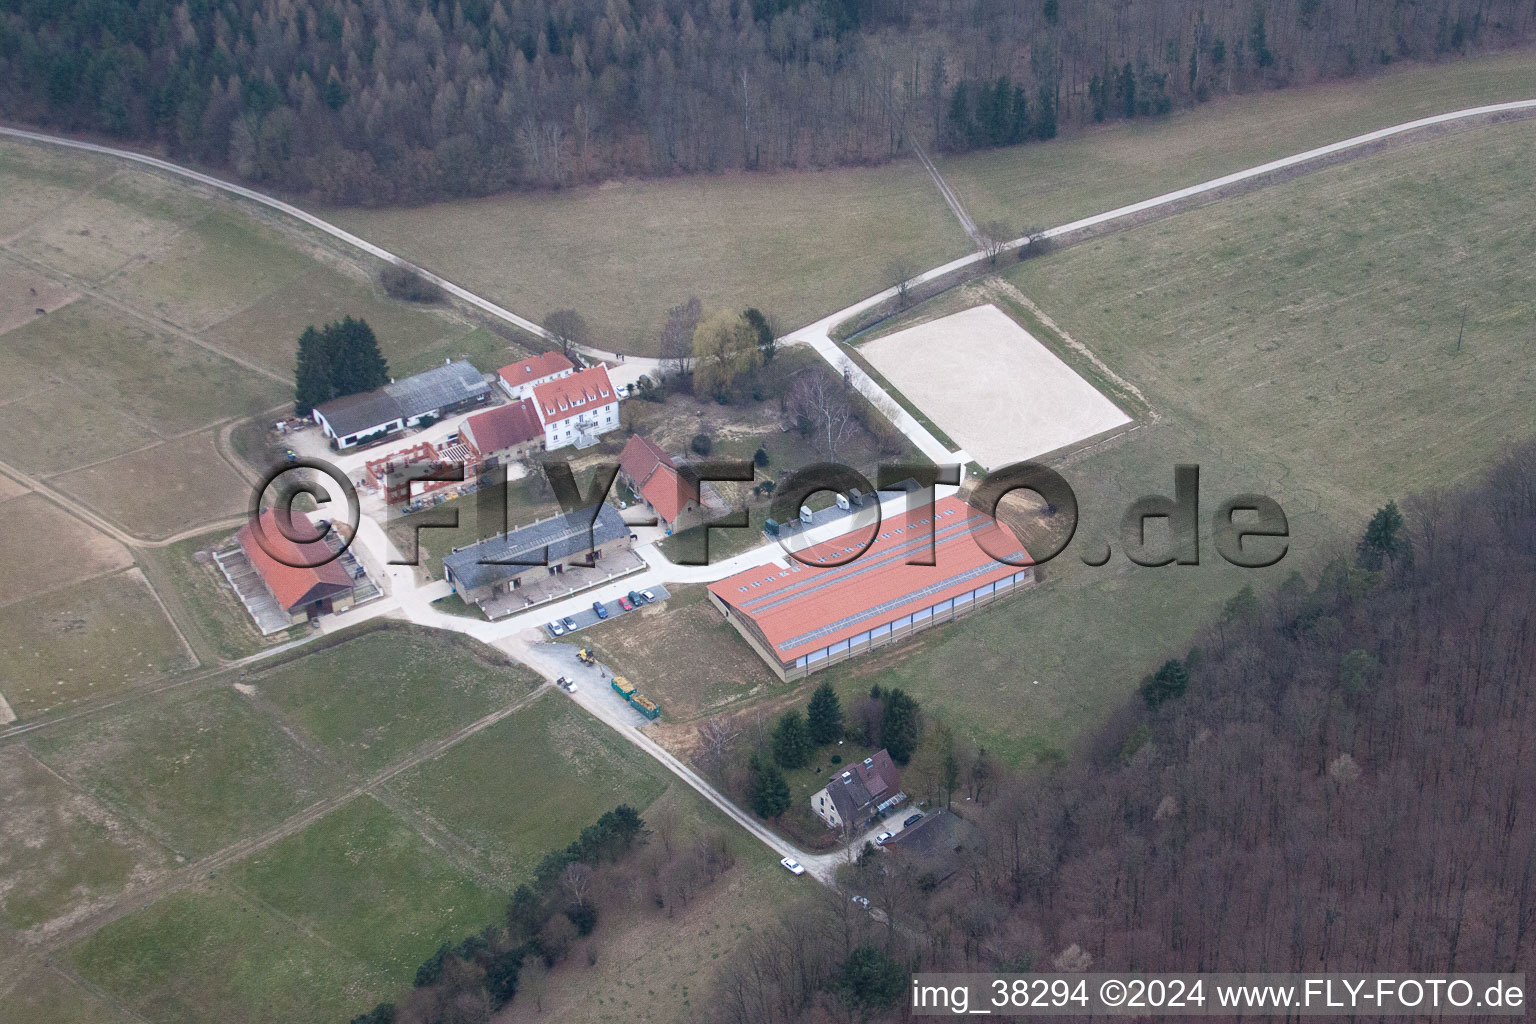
84 641
61 852
1089 172
43 547
222 263
162 491
372 700
197 770
367 883
35 181
1314 326
123 219
45 995
531 783
268 329
796 245
113 383
212 954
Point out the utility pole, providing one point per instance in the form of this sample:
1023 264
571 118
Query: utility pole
1463 328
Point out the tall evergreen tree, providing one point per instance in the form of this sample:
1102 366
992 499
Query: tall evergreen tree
756 320
341 358
824 715
312 373
898 725
768 793
792 741
1018 129
359 365
1383 540
1169 681
871 980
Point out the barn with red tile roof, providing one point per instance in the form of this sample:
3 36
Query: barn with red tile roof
506 432
304 577
925 568
651 473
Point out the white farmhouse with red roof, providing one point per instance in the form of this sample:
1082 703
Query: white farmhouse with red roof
519 379
577 409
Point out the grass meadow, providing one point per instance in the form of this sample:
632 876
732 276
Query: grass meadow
798 246
1099 169
88 640
531 782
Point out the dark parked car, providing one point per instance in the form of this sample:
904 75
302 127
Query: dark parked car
599 609
912 821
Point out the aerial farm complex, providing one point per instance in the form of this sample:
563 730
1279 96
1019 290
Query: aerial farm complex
504 506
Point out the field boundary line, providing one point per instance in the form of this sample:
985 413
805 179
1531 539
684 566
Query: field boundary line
949 195
431 831
274 203
203 867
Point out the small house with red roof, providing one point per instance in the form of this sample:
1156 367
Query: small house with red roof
652 475
519 379
577 409
305 578
839 599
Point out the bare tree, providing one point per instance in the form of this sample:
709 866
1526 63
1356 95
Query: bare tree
823 402
717 737
533 981
576 883
900 273
677 338
569 329
1036 243
994 235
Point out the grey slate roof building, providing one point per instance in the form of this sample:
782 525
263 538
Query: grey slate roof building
935 843
449 386
402 403
355 416
860 793
482 570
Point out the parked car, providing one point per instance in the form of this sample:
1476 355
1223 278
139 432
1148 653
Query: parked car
556 628
862 901
635 598
912 820
569 624
625 604
793 866
882 838
649 595
599 609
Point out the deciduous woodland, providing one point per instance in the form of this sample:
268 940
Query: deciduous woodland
1339 783
385 101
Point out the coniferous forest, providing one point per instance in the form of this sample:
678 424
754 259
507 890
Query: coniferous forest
387 101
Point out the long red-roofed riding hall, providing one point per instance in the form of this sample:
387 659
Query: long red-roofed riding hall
806 613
